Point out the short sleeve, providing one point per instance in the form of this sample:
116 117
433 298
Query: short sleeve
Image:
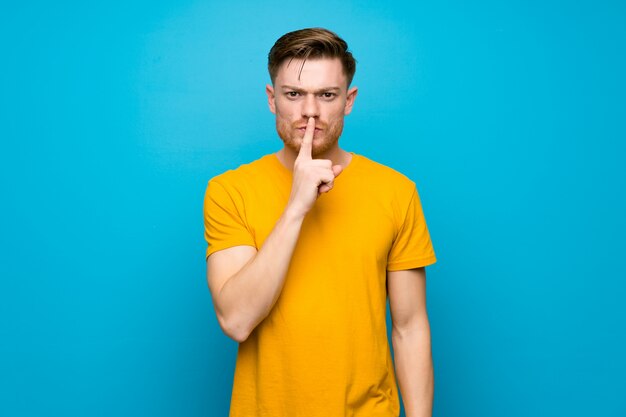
223 223
412 247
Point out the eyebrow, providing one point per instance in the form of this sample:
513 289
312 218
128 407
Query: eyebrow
321 90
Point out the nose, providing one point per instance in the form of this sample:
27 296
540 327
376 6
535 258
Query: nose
310 106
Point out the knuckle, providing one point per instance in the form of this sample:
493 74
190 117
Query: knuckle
299 164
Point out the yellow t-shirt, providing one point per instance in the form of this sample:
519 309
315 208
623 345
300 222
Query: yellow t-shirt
323 348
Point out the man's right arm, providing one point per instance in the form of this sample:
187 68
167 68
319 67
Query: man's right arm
244 283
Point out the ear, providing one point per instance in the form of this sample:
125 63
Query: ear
269 90
350 100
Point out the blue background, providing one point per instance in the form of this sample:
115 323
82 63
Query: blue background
510 117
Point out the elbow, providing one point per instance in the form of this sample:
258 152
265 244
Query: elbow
234 329
238 335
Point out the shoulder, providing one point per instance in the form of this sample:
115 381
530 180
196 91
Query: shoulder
244 174
387 188
384 175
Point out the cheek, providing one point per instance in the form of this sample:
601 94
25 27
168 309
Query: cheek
336 116
284 110
336 110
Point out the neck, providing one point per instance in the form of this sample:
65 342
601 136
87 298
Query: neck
338 156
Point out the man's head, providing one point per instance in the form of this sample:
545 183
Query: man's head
311 71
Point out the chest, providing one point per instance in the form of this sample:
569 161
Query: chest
354 223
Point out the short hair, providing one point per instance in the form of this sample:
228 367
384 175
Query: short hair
310 43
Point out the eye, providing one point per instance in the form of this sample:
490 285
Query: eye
328 96
292 94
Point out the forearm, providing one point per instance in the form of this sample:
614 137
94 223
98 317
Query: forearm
414 368
249 295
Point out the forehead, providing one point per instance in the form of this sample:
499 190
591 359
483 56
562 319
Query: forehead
315 73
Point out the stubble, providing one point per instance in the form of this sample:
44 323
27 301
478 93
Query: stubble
292 138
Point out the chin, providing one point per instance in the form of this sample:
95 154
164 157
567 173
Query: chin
324 147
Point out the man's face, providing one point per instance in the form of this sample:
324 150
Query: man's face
320 91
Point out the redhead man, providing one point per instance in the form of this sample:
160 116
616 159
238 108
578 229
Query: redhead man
306 245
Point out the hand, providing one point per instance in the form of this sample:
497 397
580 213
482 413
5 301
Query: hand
311 177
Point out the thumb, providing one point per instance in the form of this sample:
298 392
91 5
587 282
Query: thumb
337 169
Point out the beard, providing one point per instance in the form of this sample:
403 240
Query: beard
323 140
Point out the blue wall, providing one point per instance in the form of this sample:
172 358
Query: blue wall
509 116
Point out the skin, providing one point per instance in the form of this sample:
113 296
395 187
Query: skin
318 89
410 337
310 107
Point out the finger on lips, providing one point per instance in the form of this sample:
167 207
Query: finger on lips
307 140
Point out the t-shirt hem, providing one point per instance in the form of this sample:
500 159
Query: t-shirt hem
225 245
412 263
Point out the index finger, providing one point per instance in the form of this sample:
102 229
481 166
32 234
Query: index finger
306 148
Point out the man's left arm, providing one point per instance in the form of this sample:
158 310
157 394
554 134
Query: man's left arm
411 340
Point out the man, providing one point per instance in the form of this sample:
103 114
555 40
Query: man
304 247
